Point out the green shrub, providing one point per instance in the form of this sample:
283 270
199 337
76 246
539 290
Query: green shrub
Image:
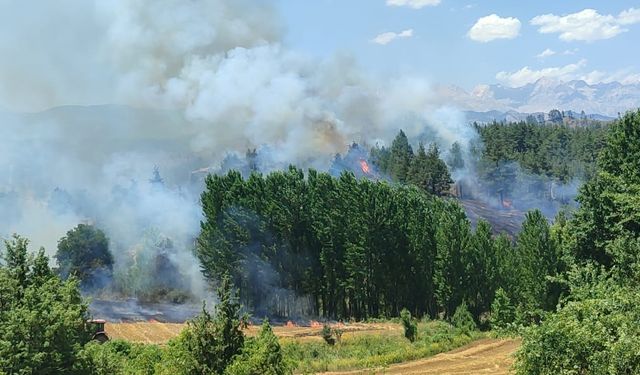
409 325
261 356
502 310
327 335
598 335
463 320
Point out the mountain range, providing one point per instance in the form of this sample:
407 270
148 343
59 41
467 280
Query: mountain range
605 99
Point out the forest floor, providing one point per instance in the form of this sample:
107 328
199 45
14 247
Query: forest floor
485 356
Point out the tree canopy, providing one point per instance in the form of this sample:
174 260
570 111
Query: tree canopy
84 253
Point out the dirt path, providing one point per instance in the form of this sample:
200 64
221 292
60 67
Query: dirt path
486 356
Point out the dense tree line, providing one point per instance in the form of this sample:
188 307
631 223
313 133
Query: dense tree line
553 151
360 248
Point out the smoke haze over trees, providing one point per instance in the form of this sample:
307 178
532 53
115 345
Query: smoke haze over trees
188 85
342 247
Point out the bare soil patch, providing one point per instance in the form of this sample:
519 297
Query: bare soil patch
486 356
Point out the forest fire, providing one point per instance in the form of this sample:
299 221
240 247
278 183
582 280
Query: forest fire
365 166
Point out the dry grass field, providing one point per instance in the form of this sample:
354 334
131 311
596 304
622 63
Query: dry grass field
153 332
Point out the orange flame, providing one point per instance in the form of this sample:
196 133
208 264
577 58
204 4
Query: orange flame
365 166
507 203
290 324
315 324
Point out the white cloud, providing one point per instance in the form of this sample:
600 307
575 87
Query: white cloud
546 53
625 76
568 72
386 38
415 4
629 16
527 75
587 25
494 27
568 52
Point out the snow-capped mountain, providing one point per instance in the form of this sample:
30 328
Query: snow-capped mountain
607 99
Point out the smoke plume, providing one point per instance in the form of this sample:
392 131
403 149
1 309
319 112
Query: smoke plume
95 94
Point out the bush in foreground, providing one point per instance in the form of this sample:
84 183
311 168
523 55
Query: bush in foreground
597 335
42 318
463 320
409 325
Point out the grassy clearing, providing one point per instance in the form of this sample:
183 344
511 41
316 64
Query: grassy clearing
375 349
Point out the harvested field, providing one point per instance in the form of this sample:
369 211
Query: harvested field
144 332
154 332
486 356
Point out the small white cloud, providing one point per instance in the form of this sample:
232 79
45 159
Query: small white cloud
386 38
494 27
568 52
546 53
527 75
415 4
587 25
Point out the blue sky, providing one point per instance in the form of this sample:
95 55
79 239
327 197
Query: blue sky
598 45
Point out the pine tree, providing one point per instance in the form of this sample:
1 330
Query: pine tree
539 259
481 265
450 278
455 159
439 180
400 158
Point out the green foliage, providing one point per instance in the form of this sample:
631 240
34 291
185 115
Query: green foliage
357 248
538 261
558 152
262 355
455 160
463 320
379 349
210 343
481 269
597 335
119 357
595 329
400 158
502 311
327 335
42 318
84 253
609 204
409 325
429 172
450 279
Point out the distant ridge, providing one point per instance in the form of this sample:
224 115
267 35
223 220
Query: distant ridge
601 99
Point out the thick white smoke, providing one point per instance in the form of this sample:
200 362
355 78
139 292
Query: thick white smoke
187 82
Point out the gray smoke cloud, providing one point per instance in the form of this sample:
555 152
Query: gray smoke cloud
180 85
